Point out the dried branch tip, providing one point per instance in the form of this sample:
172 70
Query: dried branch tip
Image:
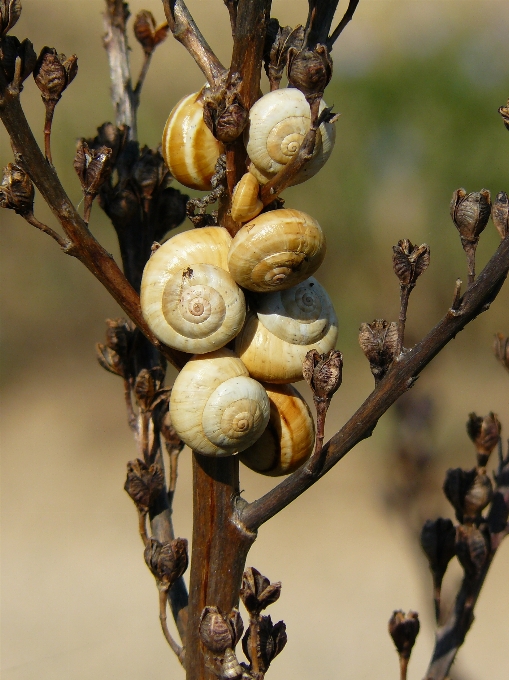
53 73
167 561
409 262
379 342
271 641
485 433
323 373
501 349
10 11
500 214
504 112
143 484
17 59
403 629
17 191
470 213
147 33
257 591
219 632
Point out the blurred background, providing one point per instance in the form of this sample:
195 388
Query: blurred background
418 84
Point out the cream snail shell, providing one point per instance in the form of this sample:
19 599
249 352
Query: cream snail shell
278 123
274 342
188 298
216 408
289 437
276 250
189 147
245 200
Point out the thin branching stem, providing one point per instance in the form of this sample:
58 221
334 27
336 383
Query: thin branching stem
176 648
65 244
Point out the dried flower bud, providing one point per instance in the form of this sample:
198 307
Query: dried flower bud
147 384
409 261
403 629
149 172
504 112
485 433
54 72
10 11
472 549
92 166
219 632
278 41
500 214
119 335
501 349
111 136
167 561
438 539
499 511
12 49
223 110
379 342
323 372
110 360
478 496
146 32
272 639
310 70
143 484
470 213
257 591
17 191
456 485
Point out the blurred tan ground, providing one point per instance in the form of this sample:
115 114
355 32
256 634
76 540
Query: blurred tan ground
77 599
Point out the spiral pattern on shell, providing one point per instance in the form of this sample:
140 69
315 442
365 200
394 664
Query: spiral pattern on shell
188 298
189 147
278 123
276 250
288 440
216 408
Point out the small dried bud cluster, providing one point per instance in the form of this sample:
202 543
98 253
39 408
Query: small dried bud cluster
16 55
504 112
10 11
409 262
92 167
53 73
379 342
279 40
144 483
403 629
223 110
470 213
219 632
472 548
271 640
257 591
500 214
501 349
149 387
17 191
167 561
310 70
323 373
115 355
147 33
485 433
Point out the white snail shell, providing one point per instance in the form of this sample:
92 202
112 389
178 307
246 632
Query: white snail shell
189 147
289 437
245 200
278 122
216 408
276 250
188 298
275 341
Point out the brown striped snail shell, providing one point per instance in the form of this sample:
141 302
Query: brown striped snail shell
216 408
278 123
289 437
275 340
246 203
188 298
189 147
276 250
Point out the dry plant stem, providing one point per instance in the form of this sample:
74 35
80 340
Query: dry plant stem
405 291
163 600
399 378
403 667
62 242
184 29
147 58
132 421
316 461
347 17
142 525
48 120
320 16
220 548
470 248
82 245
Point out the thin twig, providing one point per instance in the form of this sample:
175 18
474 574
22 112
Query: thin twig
147 58
405 291
142 525
65 244
176 648
347 17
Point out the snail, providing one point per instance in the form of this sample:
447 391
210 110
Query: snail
289 323
276 250
245 200
278 123
216 408
289 437
188 298
189 147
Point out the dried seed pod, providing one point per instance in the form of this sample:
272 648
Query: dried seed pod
17 191
437 540
478 496
485 433
409 261
456 485
310 70
500 214
167 561
53 73
472 548
501 349
278 123
245 200
276 250
188 298
323 373
189 147
10 11
289 437
470 213
216 408
257 591
215 631
403 629
143 484
379 342
11 49
272 639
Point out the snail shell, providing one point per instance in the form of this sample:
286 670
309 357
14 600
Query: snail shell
276 250
188 298
216 408
278 122
189 147
245 201
289 437
275 341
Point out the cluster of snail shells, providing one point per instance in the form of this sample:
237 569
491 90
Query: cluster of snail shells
192 297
